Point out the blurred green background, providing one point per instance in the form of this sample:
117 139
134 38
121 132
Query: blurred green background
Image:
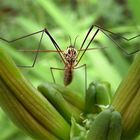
66 19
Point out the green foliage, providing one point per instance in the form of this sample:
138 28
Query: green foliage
64 18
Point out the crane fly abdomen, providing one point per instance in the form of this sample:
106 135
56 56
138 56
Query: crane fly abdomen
68 76
70 60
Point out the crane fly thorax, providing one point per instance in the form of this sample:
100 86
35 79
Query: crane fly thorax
70 56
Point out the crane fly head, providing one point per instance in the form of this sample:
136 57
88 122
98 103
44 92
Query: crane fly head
70 55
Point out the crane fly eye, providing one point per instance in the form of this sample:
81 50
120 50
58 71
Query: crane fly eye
66 55
74 52
68 51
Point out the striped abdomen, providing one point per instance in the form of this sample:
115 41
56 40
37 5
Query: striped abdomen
68 76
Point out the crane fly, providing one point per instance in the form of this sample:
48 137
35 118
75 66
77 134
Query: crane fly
70 61
71 56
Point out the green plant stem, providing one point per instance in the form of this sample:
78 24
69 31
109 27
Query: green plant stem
15 109
127 100
35 103
131 119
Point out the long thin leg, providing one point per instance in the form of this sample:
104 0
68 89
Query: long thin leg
133 52
36 55
103 31
22 37
87 46
85 39
51 38
85 66
115 34
127 39
56 45
51 69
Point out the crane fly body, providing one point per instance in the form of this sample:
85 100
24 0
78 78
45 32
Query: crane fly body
70 56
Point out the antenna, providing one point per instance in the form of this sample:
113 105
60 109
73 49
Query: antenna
70 40
75 40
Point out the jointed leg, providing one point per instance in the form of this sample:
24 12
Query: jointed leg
55 45
87 45
22 37
52 68
36 55
86 39
104 32
127 39
85 67
115 34
37 51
